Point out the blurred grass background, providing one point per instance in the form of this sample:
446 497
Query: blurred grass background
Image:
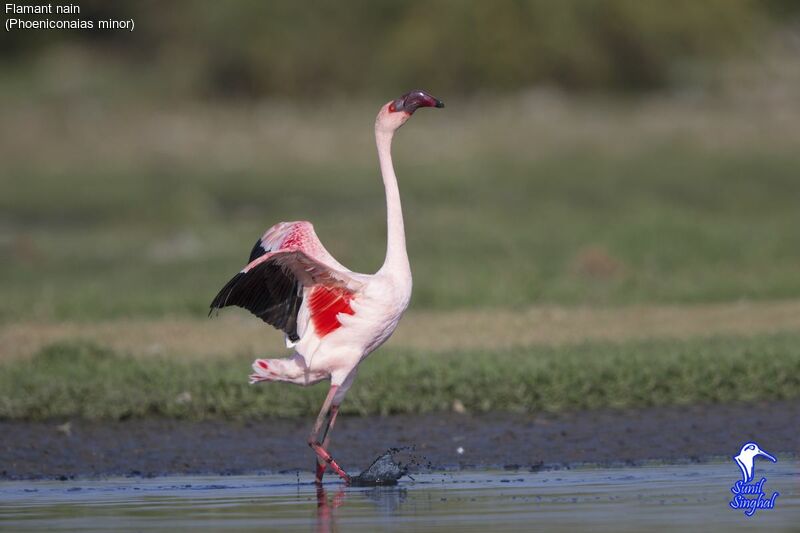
592 153
667 225
313 49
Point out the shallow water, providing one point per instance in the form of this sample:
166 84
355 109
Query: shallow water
693 496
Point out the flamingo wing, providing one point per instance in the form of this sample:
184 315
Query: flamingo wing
286 263
299 235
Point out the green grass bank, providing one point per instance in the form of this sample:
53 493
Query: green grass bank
90 382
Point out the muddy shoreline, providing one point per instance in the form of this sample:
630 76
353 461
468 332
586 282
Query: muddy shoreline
41 450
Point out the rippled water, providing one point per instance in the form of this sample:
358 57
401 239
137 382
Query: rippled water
658 497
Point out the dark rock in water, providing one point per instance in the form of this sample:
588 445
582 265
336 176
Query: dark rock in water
383 471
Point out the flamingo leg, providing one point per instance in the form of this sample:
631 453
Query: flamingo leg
325 420
321 465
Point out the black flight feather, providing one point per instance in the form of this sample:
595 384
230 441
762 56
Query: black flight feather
268 290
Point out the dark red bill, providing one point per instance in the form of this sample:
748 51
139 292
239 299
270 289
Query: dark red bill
413 100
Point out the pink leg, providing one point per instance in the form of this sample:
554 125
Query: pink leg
321 465
327 416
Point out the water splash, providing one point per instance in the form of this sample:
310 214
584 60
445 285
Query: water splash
384 470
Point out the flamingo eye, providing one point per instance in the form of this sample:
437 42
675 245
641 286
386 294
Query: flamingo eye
751 447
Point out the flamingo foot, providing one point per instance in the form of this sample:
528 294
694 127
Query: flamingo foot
262 371
329 461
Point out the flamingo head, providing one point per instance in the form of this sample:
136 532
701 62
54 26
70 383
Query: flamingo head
395 113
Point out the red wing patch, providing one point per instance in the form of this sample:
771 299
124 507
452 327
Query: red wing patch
293 240
325 303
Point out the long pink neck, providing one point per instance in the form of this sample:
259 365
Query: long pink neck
396 255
